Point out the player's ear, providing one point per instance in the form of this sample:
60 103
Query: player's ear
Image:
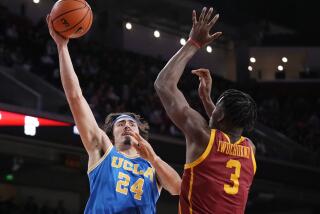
220 116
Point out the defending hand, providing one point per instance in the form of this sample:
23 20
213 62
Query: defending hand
200 32
205 84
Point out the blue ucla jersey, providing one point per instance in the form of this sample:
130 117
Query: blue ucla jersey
123 185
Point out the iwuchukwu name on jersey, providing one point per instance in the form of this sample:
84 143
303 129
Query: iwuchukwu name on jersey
234 149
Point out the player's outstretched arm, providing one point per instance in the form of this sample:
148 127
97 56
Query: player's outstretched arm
92 136
168 178
204 90
175 104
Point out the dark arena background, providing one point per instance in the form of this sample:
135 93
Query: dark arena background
270 49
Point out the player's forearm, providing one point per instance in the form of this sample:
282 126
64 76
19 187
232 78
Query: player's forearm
169 178
69 78
208 105
171 73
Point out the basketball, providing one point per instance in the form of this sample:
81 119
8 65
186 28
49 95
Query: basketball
71 18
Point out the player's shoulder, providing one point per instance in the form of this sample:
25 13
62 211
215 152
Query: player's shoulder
251 144
104 141
200 137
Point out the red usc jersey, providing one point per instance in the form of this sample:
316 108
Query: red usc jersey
218 182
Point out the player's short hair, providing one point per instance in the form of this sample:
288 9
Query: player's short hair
239 108
110 120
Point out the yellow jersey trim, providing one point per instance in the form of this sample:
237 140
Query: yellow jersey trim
204 154
190 191
130 156
237 142
101 159
253 161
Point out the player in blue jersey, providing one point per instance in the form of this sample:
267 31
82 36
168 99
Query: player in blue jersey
125 174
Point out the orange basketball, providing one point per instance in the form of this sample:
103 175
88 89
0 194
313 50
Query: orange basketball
71 18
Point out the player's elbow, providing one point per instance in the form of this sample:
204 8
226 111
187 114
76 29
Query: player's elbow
74 97
158 85
163 82
162 88
176 188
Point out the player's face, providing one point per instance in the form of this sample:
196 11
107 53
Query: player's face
122 139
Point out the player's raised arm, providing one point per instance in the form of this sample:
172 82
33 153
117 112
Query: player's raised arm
179 111
204 90
93 138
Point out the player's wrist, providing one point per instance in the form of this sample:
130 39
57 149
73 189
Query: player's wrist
194 43
206 98
62 46
154 160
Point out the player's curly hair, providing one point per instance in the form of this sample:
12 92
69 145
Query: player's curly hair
239 108
142 124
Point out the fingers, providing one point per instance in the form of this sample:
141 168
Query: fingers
137 137
202 15
197 73
214 36
137 142
201 72
49 25
213 20
136 145
207 17
194 18
134 135
202 81
49 20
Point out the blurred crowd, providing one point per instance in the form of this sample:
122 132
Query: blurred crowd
295 116
117 80
30 206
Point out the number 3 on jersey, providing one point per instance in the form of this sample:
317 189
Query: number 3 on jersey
123 183
232 190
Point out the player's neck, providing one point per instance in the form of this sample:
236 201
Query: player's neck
234 134
129 152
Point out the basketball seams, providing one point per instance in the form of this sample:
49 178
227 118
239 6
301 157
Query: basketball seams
76 23
87 27
61 1
81 1
77 14
69 11
57 31
90 21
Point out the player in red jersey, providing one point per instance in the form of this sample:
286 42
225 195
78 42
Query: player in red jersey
220 163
